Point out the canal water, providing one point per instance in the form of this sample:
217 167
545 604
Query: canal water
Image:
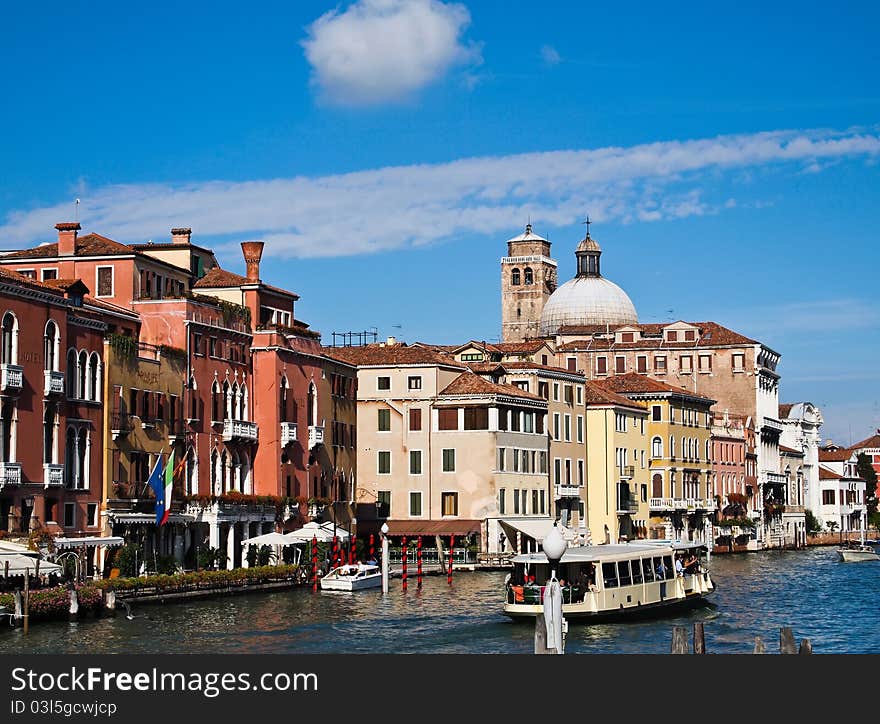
831 603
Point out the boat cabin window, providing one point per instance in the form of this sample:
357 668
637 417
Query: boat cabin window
623 573
648 570
670 569
636 571
609 575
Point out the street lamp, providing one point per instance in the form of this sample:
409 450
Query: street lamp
384 530
554 546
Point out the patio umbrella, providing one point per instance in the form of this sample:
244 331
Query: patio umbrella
19 563
322 531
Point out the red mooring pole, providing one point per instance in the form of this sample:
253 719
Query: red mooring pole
403 561
419 561
314 563
352 549
372 548
449 570
335 553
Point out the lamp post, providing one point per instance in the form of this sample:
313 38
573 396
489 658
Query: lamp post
384 530
550 633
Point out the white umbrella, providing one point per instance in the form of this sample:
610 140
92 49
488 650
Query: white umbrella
322 531
269 539
18 564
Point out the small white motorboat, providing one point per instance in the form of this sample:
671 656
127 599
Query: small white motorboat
352 577
856 552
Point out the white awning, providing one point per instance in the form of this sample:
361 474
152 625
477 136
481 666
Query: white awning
270 539
535 528
323 532
18 564
139 518
109 541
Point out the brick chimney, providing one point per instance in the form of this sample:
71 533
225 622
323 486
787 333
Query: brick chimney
181 235
253 252
67 231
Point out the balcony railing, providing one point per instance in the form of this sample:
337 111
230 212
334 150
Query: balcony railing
120 424
288 433
568 491
316 436
627 471
53 475
772 478
661 504
772 425
625 507
239 430
10 474
53 383
11 378
679 503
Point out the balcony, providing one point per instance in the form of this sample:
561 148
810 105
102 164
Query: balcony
661 504
288 433
568 491
627 471
240 430
771 425
120 424
53 475
11 378
316 436
53 383
10 474
626 507
775 478
679 504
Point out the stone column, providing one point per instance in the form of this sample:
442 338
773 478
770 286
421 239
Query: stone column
214 534
179 547
230 547
245 535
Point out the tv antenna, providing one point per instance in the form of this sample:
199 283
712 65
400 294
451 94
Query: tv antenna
76 210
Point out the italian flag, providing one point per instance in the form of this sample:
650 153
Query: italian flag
169 480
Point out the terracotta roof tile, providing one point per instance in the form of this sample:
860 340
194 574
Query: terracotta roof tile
873 441
86 245
826 474
397 354
834 456
712 334
633 383
529 346
784 410
467 383
483 368
790 450
218 277
14 276
595 394
536 366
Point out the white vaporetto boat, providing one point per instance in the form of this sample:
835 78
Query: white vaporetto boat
612 581
352 577
854 553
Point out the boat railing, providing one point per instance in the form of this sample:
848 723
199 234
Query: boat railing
534 595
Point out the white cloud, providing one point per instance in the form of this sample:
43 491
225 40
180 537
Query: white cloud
550 55
377 51
405 206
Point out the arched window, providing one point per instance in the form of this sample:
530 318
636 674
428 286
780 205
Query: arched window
71 374
244 402
70 458
193 399
9 344
51 350
215 473
312 410
82 459
708 450
192 472
224 472
227 401
529 275
514 277
234 402
246 474
672 446
657 486
235 478
7 442
657 448
49 434
216 401
94 377
282 399
82 374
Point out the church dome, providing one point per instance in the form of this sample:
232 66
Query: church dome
589 299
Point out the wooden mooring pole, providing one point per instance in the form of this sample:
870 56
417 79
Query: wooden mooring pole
25 602
787 643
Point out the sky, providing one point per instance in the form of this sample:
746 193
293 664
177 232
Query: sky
385 150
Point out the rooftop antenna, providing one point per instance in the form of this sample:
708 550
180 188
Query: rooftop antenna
76 210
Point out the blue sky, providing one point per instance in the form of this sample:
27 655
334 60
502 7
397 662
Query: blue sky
385 151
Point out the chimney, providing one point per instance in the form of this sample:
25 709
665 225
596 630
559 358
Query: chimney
181 235
253 251
391 341
67 237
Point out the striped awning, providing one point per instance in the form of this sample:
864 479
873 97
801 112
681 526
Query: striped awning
433 527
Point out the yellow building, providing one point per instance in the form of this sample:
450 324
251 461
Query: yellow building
681 496
617 466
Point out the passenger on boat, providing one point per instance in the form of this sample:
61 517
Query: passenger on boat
692 565
679 566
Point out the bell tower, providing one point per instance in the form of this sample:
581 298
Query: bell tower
528 278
